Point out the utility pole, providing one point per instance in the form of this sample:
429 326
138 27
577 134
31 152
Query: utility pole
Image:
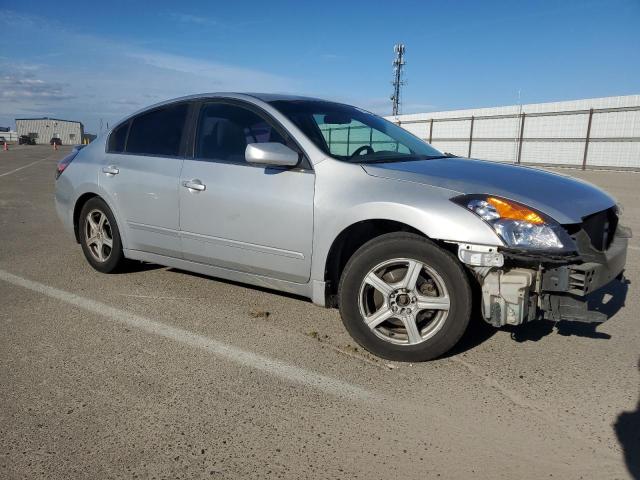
398 63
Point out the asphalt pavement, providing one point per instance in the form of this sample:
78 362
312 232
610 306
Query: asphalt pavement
158 373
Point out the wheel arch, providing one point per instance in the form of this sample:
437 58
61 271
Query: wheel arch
350 239
80 203
77 208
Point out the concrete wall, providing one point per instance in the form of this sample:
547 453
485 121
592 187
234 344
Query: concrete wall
553 133
69 132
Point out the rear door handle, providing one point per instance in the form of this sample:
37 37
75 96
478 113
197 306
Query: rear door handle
111 170
194 185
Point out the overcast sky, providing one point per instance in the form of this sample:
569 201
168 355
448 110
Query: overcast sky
87 62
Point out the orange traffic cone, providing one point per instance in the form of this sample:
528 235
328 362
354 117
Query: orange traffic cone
6 146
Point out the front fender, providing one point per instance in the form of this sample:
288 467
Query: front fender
346 195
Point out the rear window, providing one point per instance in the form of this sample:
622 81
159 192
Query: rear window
158 132
117 138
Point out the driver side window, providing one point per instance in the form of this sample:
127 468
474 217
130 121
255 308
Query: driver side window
345 139
225 130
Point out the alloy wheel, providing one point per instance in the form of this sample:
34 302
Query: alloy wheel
98 235
404 301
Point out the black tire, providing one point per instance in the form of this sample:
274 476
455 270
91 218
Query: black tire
405 245
115 260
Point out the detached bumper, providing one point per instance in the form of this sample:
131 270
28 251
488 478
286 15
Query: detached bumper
527 288
564 289
582 279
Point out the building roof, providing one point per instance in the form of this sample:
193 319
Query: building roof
49 118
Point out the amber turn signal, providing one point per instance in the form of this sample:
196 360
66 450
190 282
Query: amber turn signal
513 211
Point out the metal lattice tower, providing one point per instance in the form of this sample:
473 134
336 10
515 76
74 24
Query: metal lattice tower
398 63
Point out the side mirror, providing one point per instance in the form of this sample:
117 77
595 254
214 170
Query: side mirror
271 153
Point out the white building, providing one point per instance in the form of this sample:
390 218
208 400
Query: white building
9 135
596 132
44 129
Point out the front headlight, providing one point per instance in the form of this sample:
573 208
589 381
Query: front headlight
517 225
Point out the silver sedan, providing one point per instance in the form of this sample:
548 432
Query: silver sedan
336 204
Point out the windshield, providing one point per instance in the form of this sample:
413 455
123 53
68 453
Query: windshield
350 134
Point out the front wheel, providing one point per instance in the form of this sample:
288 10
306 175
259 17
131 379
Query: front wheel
404 298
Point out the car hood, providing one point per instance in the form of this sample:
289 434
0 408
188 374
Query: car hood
564 199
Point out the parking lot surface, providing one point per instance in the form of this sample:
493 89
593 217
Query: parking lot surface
158 373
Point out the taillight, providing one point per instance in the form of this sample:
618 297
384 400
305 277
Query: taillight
64 163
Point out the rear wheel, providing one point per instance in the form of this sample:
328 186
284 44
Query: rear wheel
404 298
100 237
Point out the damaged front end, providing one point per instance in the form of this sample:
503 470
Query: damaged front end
521 285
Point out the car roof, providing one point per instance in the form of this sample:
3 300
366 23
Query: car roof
274 97
264 97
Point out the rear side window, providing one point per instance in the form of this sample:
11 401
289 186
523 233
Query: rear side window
158 132
117 138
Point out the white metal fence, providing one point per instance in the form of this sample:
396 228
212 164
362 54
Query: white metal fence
599 136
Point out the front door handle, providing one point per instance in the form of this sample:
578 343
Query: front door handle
111 170
194 185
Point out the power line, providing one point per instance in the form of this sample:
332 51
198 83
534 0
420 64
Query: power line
398 63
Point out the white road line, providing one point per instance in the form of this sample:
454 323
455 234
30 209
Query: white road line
152 297
633 247
252 360
25 166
